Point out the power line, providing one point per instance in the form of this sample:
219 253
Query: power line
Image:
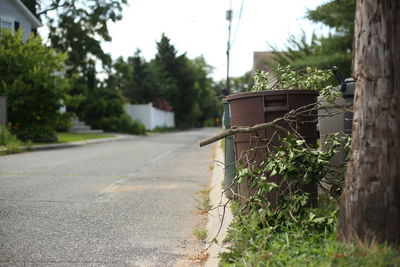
229 15
238 23
228 47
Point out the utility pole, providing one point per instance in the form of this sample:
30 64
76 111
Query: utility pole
229 19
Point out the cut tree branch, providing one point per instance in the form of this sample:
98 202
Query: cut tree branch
243 129
290 116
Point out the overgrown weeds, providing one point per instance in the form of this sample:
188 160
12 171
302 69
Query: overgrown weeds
201 234
288 230
203 201
8 141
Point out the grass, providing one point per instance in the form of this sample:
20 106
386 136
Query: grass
254 244
72 137
298 249
204 201
163 130
200 233
223 144
9 144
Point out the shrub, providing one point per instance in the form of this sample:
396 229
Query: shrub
104 108
30 79
8 140
123 124
63 122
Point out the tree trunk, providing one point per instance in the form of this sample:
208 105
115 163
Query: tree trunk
370 205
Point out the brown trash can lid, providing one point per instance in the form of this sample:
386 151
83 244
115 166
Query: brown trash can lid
272 92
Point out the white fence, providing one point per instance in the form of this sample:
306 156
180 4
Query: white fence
150 116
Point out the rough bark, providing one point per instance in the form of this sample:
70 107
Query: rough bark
370 206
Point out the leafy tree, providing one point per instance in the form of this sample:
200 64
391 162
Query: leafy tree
145 88
325 51
337 14
120 77
31 78
175 81
171 82
185 84
136 78
209 105
242 83
78 27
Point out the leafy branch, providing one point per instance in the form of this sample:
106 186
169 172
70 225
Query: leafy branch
286 78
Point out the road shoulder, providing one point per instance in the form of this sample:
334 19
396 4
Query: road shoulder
116 137
220 217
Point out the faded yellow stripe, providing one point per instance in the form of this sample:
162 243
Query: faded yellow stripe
138 188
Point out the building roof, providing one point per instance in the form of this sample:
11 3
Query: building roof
264 60
31 17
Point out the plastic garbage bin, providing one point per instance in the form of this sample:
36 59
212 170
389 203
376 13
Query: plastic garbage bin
252 108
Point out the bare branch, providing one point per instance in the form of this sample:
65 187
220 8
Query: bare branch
51 8
236 130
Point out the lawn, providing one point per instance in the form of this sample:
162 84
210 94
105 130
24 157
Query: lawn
72 137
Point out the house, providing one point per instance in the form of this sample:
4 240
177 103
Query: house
264 60
15 15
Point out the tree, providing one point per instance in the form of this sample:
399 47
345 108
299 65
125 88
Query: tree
176 82
136 78
143 88
171 82
31 5
31 77
324 51
209 105
167 65
78 27
242 83
370 206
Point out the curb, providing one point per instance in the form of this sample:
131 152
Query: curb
215 216
118 137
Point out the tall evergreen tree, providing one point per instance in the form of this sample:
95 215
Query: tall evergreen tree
184 83
144 88
169 67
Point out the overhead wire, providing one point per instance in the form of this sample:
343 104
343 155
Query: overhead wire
238 23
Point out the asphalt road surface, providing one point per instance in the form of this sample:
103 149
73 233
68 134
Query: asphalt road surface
125 203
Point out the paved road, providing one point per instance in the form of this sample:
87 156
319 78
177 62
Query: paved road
125 203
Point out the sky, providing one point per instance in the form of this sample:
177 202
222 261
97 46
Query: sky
200 28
